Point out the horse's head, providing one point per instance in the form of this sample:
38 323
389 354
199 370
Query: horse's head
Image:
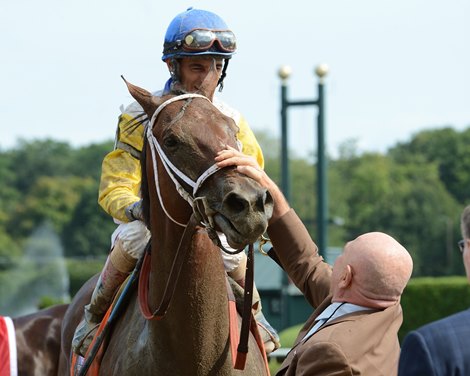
185 133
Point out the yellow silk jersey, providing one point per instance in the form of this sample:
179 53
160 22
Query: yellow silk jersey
121 173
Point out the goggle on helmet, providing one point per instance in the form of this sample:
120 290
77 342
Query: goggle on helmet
198 32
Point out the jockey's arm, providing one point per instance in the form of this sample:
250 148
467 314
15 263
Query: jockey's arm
121 172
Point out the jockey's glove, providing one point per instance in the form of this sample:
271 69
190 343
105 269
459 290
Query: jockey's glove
134 211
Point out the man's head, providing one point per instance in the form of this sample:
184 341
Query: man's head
197 74
197 35
372 271
465 229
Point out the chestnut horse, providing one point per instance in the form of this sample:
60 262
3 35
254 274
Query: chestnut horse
193 337
38 341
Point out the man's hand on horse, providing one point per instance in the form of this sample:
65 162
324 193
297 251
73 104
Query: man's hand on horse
247 165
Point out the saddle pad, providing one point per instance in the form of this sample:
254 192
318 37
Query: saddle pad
8 359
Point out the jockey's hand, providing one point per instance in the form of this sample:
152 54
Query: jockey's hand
134 211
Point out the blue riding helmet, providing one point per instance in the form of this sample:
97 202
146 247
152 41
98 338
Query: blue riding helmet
198 32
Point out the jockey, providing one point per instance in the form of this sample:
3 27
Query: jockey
196 42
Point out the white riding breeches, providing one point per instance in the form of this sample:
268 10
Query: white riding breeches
132 237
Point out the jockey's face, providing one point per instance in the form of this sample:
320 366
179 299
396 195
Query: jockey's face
200 73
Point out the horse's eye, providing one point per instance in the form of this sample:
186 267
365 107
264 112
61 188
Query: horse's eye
170 141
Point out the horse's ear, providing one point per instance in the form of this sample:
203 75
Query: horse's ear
209 84
148 102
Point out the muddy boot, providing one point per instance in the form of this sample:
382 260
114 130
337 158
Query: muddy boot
268 334
108 282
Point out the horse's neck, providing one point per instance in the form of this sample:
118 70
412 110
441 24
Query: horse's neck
196 325
202 271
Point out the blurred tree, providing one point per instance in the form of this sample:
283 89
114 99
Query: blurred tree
51 199
86 161
407 201
10 251
9 196
88 233
34 159
412 192
448 149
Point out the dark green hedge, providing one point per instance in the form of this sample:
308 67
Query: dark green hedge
80 270
429 299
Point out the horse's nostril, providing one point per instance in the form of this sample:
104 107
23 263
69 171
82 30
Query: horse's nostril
235 203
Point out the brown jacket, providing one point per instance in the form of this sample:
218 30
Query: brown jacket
360 343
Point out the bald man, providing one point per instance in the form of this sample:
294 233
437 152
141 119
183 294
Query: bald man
353 330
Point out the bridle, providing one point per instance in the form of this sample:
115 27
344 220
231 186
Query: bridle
199 205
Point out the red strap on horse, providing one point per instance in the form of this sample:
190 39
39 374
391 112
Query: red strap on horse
233 322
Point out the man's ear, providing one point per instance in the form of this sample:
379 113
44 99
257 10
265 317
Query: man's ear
346 277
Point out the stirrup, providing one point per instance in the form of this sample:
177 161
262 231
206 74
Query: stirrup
268 333
82 339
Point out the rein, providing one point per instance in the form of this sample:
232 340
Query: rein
170 287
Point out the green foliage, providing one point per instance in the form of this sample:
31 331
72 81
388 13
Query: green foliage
448 149
89 229
415 192
50 198
81 270
409 202
49 301
87 160
35 159
48 181
9 251
287 337
429 299
40 271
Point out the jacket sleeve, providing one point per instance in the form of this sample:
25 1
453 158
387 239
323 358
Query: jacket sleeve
120 171
415 357
299 257
249 143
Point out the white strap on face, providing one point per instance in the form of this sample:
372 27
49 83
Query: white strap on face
171 100
171 169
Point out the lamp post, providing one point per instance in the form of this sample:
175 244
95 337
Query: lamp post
322 204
